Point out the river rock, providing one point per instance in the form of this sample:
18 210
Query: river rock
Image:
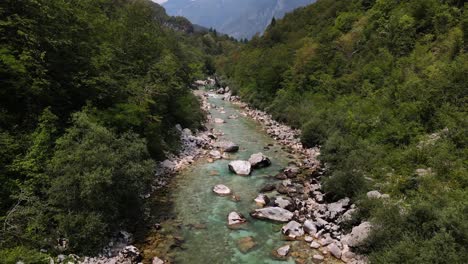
293 229
268 188
262 200
227 146
283 251
358 235
309 227
219 121
317 259
221 189
235 219
334 250
130 253
215 154
157 260
246 244
220 91
240 167
315 245
292 171
284 203
273 213
258 160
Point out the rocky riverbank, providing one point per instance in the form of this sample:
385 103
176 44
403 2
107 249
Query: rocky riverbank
312 221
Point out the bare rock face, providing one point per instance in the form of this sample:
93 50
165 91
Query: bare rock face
357 235
222 190
240 167
259 160
293 229
235 219
277 214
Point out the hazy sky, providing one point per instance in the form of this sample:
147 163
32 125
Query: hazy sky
160 1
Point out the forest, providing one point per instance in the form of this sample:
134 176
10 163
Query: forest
381 86
80 79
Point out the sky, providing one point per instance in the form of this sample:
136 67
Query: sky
160 1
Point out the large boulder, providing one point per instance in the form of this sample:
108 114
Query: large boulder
293 229
227 146
240 167
221 189
258 160
277 214
235 219
358 235
220 91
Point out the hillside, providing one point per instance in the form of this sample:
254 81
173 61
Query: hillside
381 86
90 95
237 18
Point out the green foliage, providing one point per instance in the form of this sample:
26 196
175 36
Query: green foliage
22 254
90 94
379 85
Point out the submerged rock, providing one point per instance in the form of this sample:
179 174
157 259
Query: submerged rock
273 213
235 219
240 167
246 244
258 160
221 189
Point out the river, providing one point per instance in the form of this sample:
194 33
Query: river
197 231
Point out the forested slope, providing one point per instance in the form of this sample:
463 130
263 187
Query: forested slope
80 79
382 87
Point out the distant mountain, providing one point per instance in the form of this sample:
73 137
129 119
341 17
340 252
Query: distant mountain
238 18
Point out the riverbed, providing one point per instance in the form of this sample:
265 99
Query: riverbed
198 226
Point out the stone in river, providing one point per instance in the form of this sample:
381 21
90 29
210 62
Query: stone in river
317 258
268 188
273 213
215 154
219 121
240 167
283 251
334 250
221 189
227 146
293 229
245 244
258 160
235 219
262 200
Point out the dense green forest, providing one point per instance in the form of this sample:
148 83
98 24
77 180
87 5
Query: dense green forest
381 86
79 79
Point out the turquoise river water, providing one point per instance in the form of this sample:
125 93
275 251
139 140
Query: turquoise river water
194 203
